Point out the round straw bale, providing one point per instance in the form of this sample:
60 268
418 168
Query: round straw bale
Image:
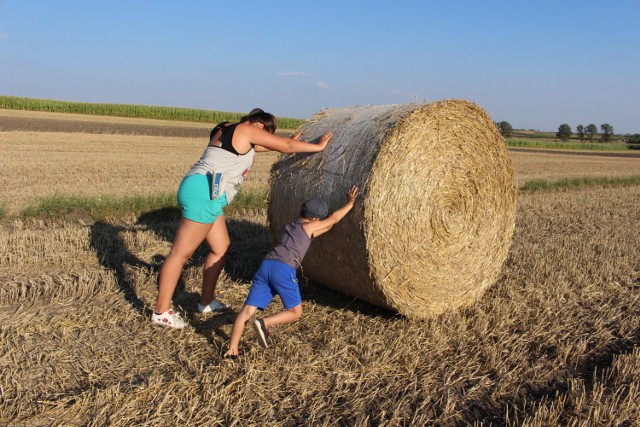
435 219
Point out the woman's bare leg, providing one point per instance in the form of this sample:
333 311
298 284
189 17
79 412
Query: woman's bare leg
218 241
188 237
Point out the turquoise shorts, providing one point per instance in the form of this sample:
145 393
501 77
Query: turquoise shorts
195 202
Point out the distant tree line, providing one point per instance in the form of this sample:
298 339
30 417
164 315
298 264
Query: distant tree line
634 141
584 133
588 133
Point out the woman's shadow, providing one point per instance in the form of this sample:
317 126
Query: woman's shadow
249 243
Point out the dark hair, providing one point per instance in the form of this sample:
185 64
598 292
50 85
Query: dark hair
217 128
255 110
257 115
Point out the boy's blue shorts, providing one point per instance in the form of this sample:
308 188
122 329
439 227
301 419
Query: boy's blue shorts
195 202
274 278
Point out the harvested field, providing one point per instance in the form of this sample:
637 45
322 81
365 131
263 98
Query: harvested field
37 164
553 342
530 164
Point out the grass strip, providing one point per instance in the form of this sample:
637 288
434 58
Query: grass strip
165 205
601 146
132 111
568 183
247 201
100 208
3 210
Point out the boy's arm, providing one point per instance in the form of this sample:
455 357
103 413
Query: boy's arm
316 228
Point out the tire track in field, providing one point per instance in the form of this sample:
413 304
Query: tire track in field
8 124
31 124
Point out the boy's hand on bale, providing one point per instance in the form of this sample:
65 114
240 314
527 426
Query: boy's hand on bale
352 194
297 136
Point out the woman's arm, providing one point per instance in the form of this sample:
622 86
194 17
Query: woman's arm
260 148
248 135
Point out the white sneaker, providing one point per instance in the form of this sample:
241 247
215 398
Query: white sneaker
214 305
169 318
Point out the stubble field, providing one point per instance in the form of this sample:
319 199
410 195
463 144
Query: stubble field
553 342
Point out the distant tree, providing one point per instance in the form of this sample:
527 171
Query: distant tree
634 139
580 132
505 129
591 131
607 132
564 132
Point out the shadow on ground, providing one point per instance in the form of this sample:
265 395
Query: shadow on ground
249 244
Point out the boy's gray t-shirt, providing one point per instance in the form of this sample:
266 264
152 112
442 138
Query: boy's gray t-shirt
293 245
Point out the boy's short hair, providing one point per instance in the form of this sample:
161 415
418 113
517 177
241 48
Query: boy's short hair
314 208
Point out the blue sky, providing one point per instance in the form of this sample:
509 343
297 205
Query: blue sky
536 64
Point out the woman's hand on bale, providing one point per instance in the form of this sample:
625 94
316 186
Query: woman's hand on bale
324 139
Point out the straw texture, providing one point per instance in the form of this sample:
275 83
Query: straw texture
434 223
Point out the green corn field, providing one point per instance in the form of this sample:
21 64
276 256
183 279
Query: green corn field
130 110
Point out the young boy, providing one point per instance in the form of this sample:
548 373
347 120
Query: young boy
277 272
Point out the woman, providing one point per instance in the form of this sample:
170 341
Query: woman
211 184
